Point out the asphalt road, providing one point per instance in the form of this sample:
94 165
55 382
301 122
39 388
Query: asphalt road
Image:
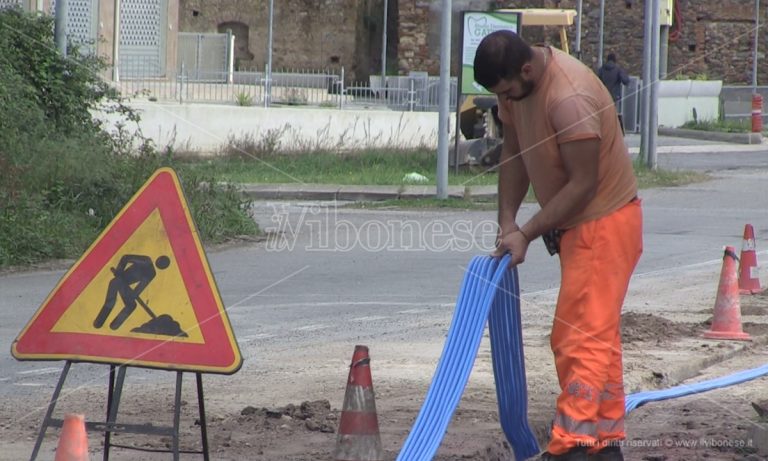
343 274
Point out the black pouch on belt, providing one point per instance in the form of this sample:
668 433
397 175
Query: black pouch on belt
552 240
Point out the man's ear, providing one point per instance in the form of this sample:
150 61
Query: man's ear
527 69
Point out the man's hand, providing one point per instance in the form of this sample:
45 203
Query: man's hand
515 243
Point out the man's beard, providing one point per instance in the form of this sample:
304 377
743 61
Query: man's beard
526 86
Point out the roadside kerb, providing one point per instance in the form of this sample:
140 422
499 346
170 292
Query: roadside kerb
735 138
359 193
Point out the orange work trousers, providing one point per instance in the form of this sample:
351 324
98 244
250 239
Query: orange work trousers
597 259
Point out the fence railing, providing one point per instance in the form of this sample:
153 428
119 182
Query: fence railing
288 87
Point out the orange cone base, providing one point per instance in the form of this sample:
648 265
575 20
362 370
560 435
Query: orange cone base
738 335
73 442
751 292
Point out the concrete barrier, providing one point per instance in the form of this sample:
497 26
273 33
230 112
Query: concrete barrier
206 128
679 98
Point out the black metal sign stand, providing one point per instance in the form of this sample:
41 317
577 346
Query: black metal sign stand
112 426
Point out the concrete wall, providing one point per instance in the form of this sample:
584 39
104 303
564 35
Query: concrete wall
206 128
679 98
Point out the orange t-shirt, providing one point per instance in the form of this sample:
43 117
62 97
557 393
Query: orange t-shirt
570 103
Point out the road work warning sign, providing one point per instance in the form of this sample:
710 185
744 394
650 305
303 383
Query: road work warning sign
143 294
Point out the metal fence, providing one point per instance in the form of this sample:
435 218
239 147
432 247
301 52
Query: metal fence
192 82
736 101
205 55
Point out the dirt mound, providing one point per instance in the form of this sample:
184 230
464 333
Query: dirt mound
496 451
748 308
311 416
637 327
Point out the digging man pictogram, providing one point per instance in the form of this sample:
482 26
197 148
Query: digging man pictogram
132 276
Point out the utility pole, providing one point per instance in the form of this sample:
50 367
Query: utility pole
268 73
578 29
645 93
60 27
384 46
664 52
443 118
653 115
600 34
116 44
754 47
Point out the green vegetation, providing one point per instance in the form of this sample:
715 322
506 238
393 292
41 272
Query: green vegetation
243 99
248 161
647 178
259 162
684 76
62 177
428 203
727 126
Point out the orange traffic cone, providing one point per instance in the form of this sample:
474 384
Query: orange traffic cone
73 444
726 322
749 277
358 437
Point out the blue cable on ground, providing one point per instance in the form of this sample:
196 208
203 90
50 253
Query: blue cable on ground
479 291
505 328
641 398
490 292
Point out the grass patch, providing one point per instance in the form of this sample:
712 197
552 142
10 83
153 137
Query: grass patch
647 178
427 203
724 126
371 167
378 168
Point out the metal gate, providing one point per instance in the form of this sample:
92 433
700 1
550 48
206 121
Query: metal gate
9 3
203 57
142 38
630 106
82 23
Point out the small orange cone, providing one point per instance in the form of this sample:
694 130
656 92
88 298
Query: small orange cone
358 437
749 276
726 322
73 443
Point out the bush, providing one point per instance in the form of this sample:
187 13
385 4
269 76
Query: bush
62 178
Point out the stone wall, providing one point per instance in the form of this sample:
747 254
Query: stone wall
713 40
307 34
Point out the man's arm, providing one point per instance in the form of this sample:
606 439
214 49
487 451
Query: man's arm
513 186
581 160
513 182
623 77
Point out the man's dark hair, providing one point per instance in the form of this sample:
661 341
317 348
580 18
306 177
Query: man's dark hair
611 57
500 56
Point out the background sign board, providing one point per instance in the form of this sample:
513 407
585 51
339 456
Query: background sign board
477 25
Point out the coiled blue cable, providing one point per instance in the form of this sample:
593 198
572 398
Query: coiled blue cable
638 399
505 327
490 291
479 291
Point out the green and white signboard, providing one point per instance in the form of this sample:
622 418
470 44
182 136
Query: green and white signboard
477 25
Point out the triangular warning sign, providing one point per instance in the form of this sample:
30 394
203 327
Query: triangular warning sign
142 295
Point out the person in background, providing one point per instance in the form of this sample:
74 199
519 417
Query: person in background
562 137
613 76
